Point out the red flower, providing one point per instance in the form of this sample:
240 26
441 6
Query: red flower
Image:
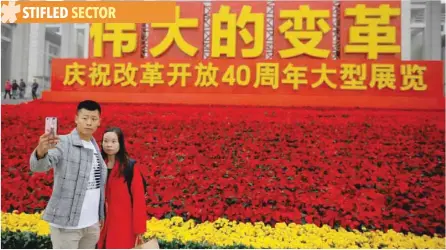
354 167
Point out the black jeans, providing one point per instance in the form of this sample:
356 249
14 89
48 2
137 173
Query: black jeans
7 92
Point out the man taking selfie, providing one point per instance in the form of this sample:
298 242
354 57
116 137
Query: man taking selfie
75 210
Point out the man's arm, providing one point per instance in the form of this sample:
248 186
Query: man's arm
49 160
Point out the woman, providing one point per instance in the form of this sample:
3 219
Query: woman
8 87
126 216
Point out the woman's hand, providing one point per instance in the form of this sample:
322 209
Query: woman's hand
139 239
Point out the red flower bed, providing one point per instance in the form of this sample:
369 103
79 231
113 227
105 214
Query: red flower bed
381 169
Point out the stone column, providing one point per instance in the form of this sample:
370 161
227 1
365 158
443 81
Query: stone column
86 40
432 31
20 52
37 56
69 41
406 35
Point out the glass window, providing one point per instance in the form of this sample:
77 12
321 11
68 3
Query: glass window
6 31
53 50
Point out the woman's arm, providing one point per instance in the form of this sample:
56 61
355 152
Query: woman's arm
139 203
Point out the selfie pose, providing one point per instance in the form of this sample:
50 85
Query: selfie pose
125 220
76 207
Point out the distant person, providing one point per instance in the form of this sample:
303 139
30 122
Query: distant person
8 87
22 88
15 87
34 88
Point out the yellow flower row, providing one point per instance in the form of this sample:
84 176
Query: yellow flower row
258 235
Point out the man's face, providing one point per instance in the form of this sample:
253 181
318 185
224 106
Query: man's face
87 121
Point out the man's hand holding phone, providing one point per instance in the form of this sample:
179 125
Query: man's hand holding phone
47 141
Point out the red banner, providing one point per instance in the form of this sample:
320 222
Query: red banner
321 78
243 30
236 37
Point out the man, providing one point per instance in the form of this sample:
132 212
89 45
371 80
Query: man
75 210
22 88
34 88
15 86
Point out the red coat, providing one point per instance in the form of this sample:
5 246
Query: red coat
8 86
123 222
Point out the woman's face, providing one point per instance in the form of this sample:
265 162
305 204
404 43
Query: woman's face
110 144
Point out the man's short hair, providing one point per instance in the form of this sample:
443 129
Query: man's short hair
89 105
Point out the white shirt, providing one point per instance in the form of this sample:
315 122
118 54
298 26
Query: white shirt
90 208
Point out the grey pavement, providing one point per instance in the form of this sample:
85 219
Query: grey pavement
15 101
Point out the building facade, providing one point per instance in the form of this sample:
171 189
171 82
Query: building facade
28 49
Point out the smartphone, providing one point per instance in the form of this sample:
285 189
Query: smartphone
51 126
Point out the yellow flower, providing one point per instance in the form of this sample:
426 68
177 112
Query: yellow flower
223 232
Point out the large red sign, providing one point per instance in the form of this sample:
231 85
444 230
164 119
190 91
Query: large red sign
216 53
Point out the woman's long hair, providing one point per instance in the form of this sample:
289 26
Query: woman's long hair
122 155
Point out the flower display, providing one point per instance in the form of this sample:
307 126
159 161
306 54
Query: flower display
339 168
223 233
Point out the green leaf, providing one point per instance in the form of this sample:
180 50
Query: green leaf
27 240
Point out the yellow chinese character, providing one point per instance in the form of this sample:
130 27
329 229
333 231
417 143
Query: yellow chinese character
179 70
229 33
413 77
353 76
152 74
73 74
384 75
206 75
324 77
174 35
123 42
99 74
311 35
295 75
372 34
267 74
258 20
125 74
